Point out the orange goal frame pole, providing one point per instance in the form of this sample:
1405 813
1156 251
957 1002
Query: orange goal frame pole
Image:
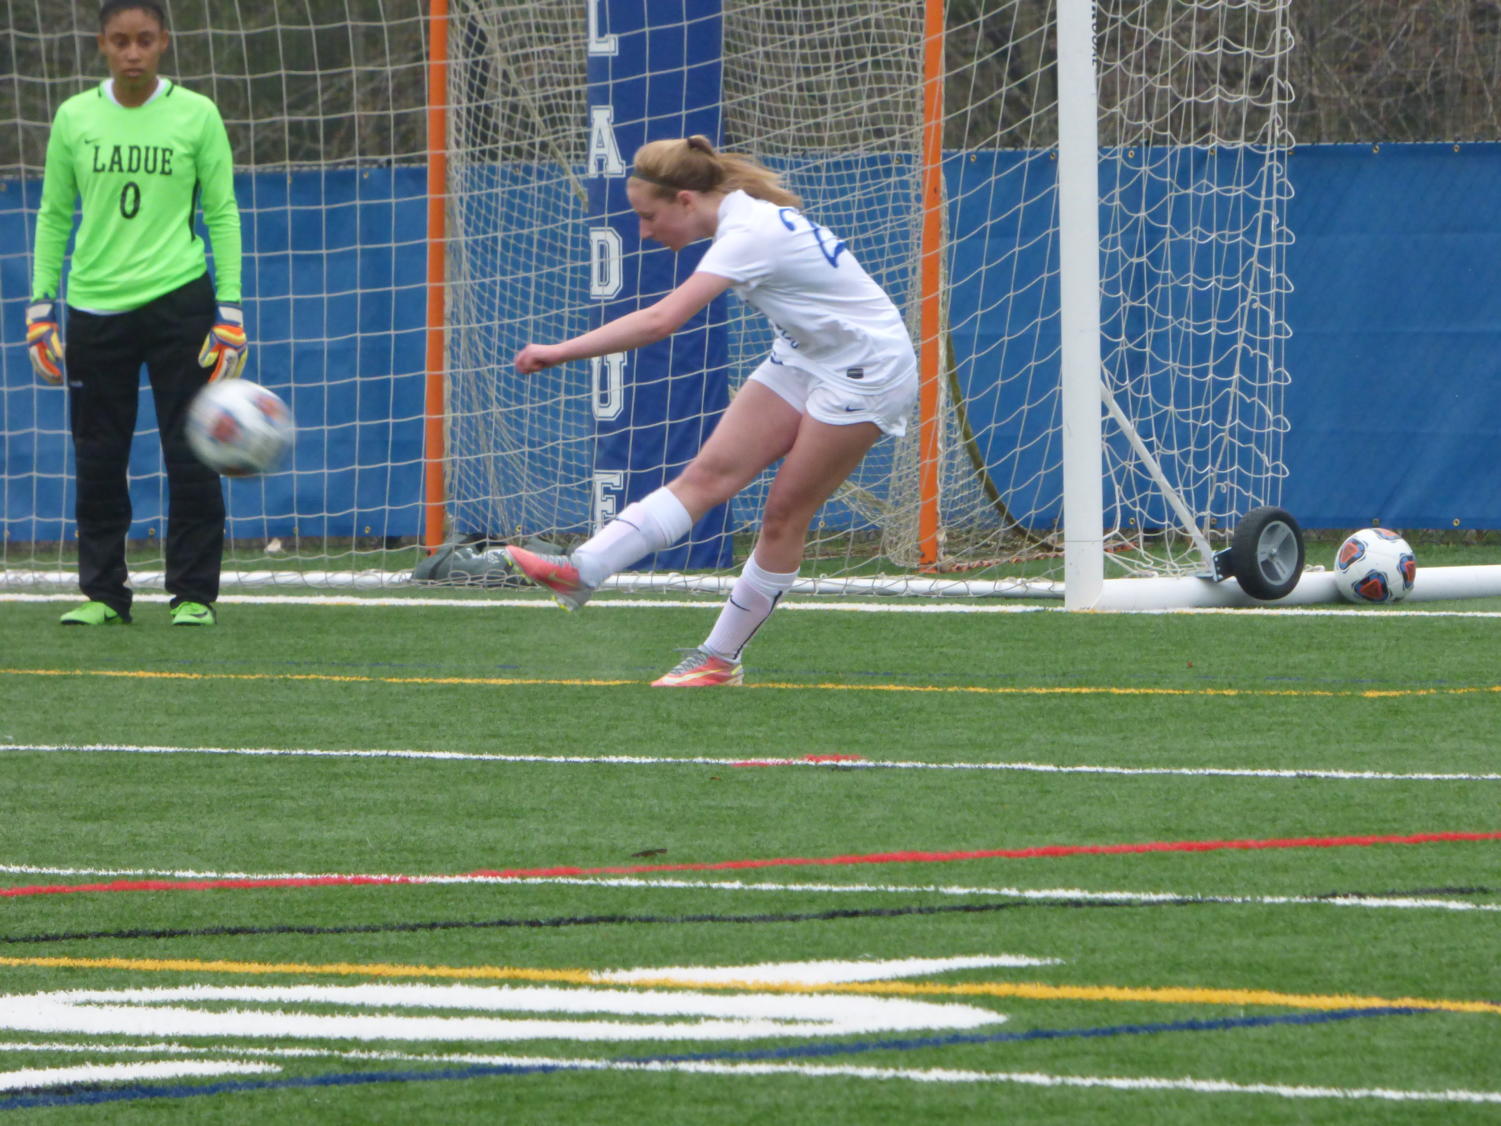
930 284
435 392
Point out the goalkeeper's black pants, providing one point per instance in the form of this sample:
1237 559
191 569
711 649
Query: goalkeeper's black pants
103 359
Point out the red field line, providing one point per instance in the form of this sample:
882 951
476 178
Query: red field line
213 884
996 854
912 857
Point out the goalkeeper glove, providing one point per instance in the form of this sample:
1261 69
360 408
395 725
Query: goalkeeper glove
43 344
225 347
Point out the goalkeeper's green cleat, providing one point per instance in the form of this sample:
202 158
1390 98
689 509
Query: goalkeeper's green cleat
193 614
94 614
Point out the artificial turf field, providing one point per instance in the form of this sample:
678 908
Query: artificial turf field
366 862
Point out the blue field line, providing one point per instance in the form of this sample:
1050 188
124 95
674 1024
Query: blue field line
807 1051
94 1096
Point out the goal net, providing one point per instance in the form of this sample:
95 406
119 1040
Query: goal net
330 108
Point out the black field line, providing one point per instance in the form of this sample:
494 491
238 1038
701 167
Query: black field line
561 921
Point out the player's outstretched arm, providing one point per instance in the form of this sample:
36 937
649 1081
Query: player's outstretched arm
644 326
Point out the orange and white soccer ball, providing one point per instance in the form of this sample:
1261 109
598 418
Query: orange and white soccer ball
238 428
1375 565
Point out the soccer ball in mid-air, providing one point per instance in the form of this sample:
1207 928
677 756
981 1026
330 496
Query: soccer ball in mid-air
238 428
1375 565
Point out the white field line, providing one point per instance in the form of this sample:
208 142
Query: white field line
671 883
382 1011
821 972
917 1075
31 1078
832 605
539 603
1037 1079
1311 774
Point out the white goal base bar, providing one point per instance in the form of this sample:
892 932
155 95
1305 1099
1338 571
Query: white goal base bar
1434 584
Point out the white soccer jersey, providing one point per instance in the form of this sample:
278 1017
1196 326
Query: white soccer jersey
830 318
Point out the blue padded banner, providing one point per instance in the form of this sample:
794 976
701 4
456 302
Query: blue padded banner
655 78
1395 400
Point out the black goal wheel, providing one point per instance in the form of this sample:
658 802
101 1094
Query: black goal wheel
1266 553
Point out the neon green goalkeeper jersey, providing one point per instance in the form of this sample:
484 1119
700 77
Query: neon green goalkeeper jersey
141 173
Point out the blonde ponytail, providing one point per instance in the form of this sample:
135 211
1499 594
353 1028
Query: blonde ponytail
693 164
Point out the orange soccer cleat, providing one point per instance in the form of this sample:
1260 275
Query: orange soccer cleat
553 572
698 669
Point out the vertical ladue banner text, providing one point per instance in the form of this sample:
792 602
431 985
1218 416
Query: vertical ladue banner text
654 72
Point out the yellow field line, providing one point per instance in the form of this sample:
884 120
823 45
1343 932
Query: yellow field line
1167 995
578 682
332 678
1036 991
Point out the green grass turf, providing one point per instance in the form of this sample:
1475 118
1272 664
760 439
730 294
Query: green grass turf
1356 692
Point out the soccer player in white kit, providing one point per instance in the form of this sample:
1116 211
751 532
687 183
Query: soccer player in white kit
841 373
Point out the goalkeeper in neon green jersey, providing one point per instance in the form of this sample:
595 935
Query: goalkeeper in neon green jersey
141 154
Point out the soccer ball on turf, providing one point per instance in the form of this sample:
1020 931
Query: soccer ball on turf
238 428
1375 565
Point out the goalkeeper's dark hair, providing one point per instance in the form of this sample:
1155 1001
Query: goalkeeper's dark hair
692 164
112 8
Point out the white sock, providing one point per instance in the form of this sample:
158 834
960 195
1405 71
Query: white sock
656 521
752 599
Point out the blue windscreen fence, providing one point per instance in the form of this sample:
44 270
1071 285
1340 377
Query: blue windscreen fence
1395 354
1393 405
335 288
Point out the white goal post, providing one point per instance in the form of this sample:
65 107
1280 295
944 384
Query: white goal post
1079 205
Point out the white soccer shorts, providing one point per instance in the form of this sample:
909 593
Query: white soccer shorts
829 402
